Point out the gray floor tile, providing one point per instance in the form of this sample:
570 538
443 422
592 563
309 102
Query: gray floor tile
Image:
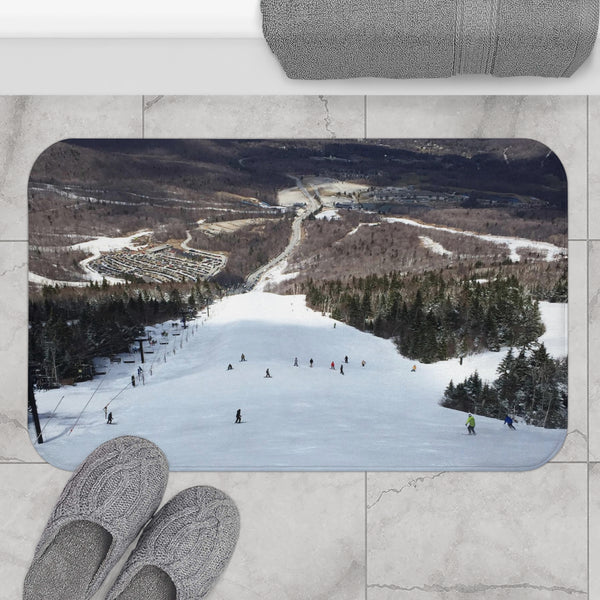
575 447
478 535
557 121
14 439
594 531
593 162
254 116
29 124
465 536
594 348
302 535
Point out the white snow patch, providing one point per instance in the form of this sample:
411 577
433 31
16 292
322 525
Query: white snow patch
328 215
381 416
95 247
274 276
556 319
551 251
105 244
361 225
109 244
40 280
435 247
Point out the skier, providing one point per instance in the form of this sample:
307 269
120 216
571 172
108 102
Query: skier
230 367
346 359
238 416
311 363
414 368
243 358
133 380
471 424
105 412
296 361
267 375
508 421
341 369
332 366
109 421
334 325
363 363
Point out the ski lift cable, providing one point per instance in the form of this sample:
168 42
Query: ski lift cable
88 402
115 397
53 413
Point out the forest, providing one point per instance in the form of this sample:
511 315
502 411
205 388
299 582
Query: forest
430 317
531 386
68 328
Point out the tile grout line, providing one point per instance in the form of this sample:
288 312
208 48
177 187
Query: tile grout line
22 462
366 540
587 292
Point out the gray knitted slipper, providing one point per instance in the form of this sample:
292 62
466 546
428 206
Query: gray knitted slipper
183 550
103 507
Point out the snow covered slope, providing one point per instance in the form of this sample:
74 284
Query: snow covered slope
378 417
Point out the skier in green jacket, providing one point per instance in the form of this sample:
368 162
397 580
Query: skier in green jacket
471 424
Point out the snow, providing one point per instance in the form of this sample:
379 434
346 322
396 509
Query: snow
361 225
329 215
274 276
555 317
378 417
105 244
435 247
95 247
514 244
40 280
290 197
334 187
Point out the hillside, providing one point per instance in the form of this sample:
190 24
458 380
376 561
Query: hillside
233 197
380 416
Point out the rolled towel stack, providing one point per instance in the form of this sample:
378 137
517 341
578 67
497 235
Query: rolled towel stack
341 39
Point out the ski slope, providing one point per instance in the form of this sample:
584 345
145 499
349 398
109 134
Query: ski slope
378 417
513 244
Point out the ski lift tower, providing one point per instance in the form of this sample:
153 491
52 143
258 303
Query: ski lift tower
141 341
33 406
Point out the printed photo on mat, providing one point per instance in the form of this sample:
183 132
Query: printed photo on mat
300 304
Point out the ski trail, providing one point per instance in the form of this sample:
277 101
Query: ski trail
551 251
434 246
380 416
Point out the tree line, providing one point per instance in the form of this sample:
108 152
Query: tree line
531 385
69 327
429 317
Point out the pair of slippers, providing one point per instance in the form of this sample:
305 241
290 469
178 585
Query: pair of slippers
110 497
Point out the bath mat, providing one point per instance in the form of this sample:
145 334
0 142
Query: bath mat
339 39
300 304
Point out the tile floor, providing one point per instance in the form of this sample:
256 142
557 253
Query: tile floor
347 536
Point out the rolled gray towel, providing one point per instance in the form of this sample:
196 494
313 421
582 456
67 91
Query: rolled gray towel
341 39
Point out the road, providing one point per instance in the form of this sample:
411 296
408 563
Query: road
218 256
313 203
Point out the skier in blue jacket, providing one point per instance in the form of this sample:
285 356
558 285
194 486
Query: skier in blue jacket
508 421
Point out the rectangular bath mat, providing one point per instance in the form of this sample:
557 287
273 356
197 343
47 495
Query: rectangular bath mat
300 304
